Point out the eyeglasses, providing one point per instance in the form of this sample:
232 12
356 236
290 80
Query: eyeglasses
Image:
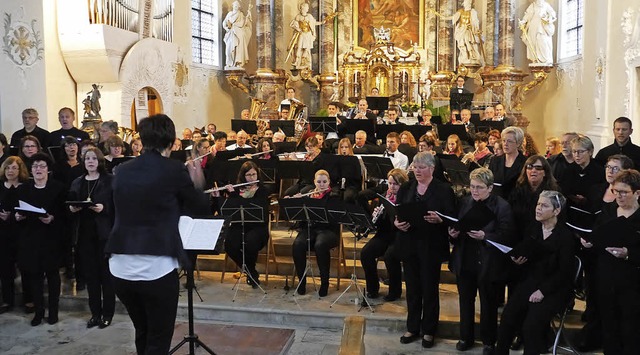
478 187
419 167
39 166
535 167
508 141
579 151
29 146
621 193
614 169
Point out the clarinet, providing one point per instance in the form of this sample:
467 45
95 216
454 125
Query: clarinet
377 215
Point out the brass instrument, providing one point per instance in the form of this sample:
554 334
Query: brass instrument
296 113
257 106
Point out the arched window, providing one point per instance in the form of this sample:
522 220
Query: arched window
205 37
571 31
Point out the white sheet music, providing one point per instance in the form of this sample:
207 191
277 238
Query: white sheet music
453 219
578 228
503 248
199 234
23 206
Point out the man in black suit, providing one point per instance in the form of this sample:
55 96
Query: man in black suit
501 115
67 117
149 194
362 147
459 88
30 120
363 112
622 130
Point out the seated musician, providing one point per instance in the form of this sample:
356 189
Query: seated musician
202 151
284 114
344 147
363 112
219 142
241 141
314 154
322 236
279 137
256 235
265 146
268 134
392 115
481 156
547 282
398 159
425 117
454 146
362 147
382 244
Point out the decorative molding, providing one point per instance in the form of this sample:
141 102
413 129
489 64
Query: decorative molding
630 26
22 42
600 72
569 71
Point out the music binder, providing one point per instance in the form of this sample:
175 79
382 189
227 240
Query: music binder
80 203
530 248
389 207
478 216
30 210
199 234
626 234
413 213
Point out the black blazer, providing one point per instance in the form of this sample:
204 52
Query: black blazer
505 181
102 193
469 253
439 197
149 194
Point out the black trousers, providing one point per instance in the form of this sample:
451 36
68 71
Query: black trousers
375 248
102 297
591 333
8 258
619 303
422 280
152 307
36 281
322 241
469 285
532 318
255 238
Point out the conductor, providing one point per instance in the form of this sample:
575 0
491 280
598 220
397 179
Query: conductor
149 194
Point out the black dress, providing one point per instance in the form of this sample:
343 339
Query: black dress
505 178
8 245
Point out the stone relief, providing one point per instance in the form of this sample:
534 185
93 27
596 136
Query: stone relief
569 71
22 42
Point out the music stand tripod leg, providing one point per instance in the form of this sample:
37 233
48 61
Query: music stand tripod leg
354 282
192 337
244 269
308 268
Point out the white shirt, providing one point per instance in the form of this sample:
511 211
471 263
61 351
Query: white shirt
234 146
141 267
398 159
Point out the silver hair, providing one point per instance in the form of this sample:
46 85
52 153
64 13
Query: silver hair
424 158
556 198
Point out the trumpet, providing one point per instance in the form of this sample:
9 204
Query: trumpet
304 195
376 214
224 187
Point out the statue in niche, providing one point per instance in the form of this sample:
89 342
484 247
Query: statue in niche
304 25
238 27
92 102
538 28
467 34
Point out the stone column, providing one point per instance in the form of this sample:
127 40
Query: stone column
506 32
445 37
328 42
264 35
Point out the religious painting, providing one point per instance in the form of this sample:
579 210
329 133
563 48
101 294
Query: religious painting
405 19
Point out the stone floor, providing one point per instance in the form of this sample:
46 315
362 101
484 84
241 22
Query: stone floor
316 325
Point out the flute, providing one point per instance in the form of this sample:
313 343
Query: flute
224 187
303 195
196 158
251 155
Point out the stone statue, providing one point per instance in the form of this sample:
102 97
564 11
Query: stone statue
94 100
304 25
238 27
538 28
467 34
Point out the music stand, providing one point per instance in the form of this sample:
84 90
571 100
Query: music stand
323 124
486 126
286 126
460 101
241 210
249 126
192 337
445 130
377 167
454 170
384 129
379 103
351 215
305 210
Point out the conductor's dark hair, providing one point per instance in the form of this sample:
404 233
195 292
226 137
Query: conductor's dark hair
248 165
157 132
42 157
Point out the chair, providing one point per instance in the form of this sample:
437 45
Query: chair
559 329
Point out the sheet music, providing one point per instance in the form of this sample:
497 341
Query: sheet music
23 206
578 228
447 217
199 234
503 248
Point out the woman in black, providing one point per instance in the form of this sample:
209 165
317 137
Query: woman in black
582 174
616 238
322 236
423 247
29 145
39 244
547 284
479 267
256 235
507 167
93 224
4 146
13 173
382 244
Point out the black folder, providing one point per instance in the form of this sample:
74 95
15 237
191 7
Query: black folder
413 213
478 216
626 234
80 203
530 248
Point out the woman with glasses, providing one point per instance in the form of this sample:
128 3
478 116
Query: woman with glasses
39 244
617 246
13 173
115 148
256 235
479 267
590 337
93 224
547 280
423 248
29 145
581 176
507 167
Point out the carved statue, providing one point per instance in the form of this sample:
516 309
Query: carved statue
94 100
302 40
467 34
238 27
538 28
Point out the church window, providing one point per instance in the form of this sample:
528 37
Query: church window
571 28
205 35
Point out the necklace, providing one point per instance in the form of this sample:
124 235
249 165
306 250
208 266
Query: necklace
91 188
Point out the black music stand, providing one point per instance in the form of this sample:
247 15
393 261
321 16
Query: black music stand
354 216
286 126
351 126
241 210
249 126
379 103
323 124
445 130
384 129
192 337
454 170
377 167
460 101
284 147
486 126
305 210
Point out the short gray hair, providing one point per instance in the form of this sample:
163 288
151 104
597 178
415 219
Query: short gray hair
424 158
111 125
483 175
583 142
556 198
516 131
